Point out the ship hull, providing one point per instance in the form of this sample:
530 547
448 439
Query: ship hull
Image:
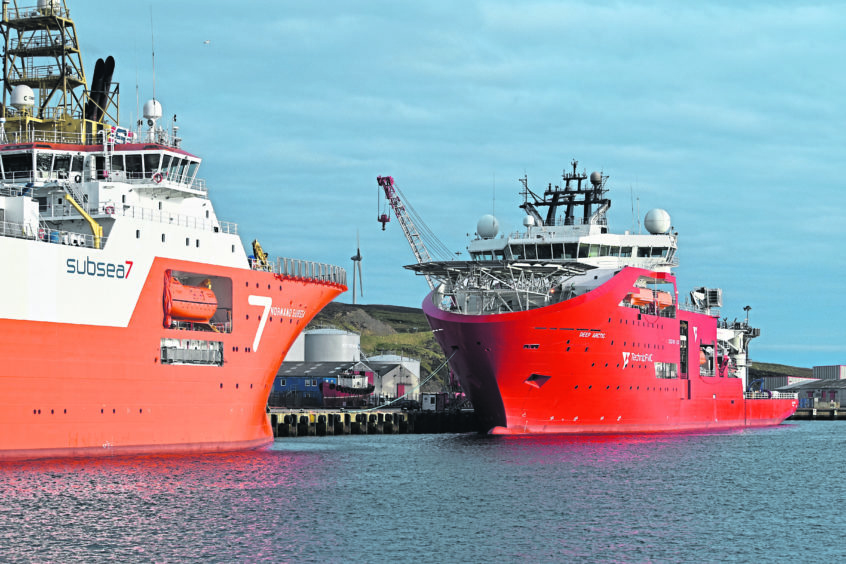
588 365
83 389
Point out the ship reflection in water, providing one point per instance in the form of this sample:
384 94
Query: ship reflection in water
438 498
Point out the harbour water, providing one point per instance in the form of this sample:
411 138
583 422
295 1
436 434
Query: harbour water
762 495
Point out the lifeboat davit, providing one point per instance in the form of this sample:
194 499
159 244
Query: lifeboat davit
189 303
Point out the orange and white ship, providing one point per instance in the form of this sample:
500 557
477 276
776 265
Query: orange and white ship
131 318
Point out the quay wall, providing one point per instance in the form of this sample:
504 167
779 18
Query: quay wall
323 422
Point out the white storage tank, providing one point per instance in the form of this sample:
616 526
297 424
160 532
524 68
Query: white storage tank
297 351
332 345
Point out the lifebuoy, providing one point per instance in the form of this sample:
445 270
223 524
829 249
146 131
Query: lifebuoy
157 178
110 210
77 178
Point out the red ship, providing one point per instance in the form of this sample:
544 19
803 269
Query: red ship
131 318
567 328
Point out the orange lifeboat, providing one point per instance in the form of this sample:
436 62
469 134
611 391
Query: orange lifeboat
189 303
645 296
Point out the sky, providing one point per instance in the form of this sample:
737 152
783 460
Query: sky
729 115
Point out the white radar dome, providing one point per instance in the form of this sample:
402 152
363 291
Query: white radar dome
152 109
528 221
595 178
657 221
487 227
23 97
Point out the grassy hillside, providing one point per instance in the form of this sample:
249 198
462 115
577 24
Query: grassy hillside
761 369
403 330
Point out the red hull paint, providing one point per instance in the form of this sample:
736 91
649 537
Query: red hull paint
81 390
587 365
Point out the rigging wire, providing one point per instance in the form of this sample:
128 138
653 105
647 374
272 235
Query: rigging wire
434 245
417 387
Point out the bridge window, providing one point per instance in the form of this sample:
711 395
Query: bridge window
558 250
192 171
544 252
570 250
183 165
173 174
166 165
43 161
625 251
117 163
76 163
134 166
62 165
17 165
151 163
531 252
517 252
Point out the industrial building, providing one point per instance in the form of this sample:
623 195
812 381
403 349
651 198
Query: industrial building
826 391
836 372
324 368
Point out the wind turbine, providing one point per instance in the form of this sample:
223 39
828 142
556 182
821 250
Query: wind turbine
357 263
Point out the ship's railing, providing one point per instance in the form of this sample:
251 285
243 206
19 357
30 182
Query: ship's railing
57 236
713 311
33 72
161 216
297 268
49 9
36 135
560 222
158 216
42 136
198 184
770 395
42 176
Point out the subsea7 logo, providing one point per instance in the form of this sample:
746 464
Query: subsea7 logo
626 356
99 269
265 302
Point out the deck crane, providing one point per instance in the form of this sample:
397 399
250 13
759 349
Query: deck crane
413 236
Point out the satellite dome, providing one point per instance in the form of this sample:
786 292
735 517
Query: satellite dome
528 221
657 221
152 109
595 178
23 97
487 227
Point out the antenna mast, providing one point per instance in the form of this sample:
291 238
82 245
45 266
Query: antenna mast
153 46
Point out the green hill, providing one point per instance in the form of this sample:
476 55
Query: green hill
386 329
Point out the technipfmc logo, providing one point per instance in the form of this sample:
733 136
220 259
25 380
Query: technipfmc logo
636 357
